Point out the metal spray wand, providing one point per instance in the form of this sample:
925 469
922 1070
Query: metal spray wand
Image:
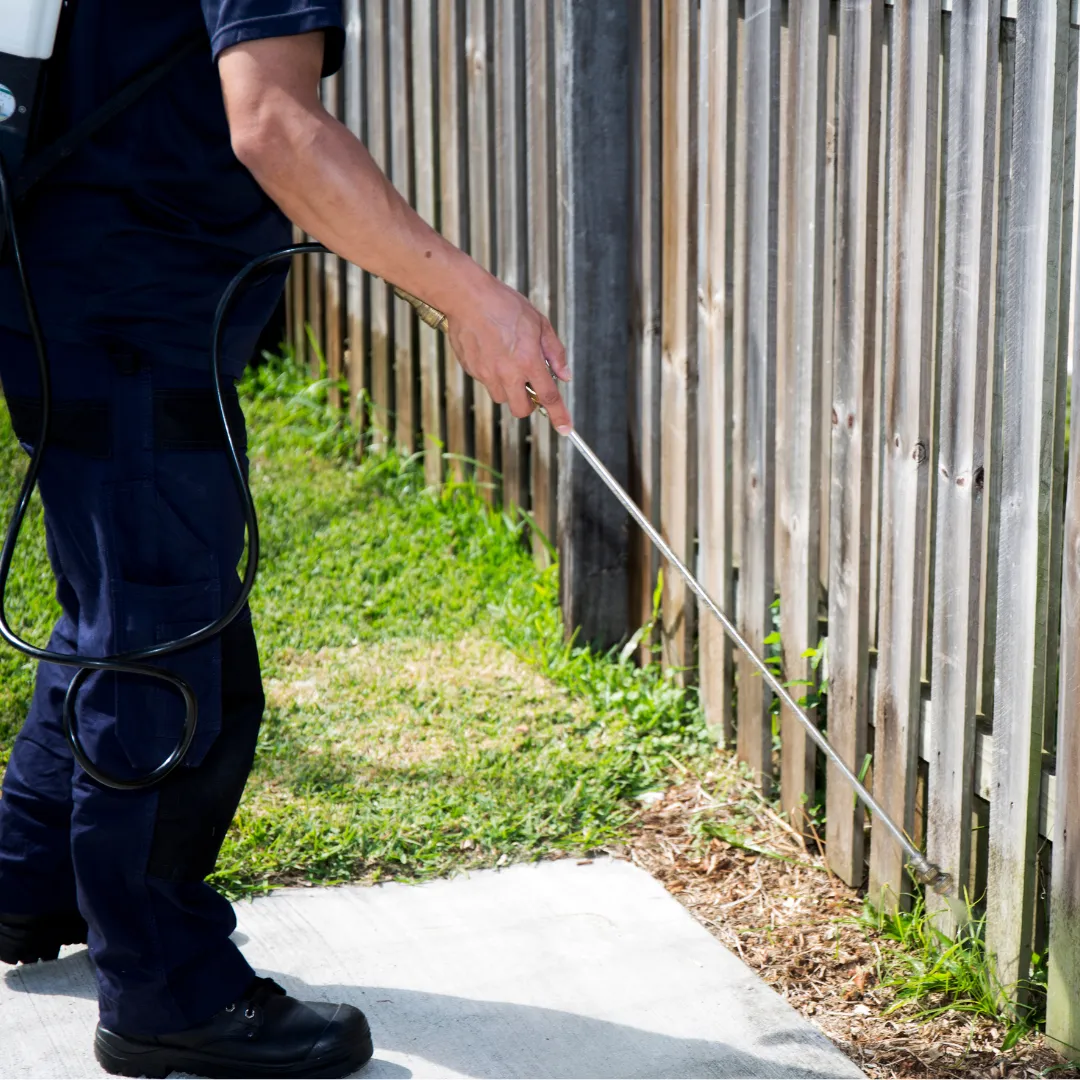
924 871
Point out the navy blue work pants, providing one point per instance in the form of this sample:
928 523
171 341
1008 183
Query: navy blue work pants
144 533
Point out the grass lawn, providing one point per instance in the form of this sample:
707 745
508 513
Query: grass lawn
424 712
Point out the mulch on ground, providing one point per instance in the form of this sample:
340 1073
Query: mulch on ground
798 927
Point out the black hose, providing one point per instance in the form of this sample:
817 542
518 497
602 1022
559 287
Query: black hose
133 662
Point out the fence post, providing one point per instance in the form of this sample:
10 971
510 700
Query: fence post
593 174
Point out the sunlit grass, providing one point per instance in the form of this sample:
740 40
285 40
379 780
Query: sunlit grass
425 712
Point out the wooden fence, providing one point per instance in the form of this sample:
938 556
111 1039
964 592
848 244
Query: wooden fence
814 264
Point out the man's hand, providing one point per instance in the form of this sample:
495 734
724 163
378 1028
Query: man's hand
503 341
325 181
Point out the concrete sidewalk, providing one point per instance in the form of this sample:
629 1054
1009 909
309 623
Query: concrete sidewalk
554 970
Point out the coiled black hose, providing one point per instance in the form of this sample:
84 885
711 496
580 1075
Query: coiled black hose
134 662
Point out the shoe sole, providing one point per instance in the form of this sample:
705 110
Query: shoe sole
121 1057
21 946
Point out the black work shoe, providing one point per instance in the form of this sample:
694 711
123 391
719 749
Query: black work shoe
25 939
265 1034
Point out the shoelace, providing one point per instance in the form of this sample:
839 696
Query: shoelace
258 993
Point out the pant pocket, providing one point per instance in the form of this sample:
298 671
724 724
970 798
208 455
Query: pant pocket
148 713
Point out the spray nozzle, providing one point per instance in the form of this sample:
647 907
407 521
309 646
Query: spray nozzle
927 873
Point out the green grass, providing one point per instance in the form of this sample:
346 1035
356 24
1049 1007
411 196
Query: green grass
425 713
933 974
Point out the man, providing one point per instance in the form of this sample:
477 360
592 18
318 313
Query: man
129 246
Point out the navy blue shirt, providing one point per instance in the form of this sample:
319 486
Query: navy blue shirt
133 239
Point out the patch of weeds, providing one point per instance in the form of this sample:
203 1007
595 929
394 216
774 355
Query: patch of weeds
296 409
931 974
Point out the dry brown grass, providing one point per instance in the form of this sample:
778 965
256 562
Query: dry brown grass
796 925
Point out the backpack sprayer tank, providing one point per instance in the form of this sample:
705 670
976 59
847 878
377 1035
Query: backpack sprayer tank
28 33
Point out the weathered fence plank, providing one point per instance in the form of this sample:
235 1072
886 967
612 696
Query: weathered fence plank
315 341
1058 328
1062 1010
644 420
857 155
909 345
376 40
717 78
426 189
1019 685
542 247
828 297
592 51
738 298
406 372
798 459
356 290
510 192
756 566
298 301
678 373
454 214
478 59
333 271
968 288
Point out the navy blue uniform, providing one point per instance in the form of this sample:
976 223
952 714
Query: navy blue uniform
129 246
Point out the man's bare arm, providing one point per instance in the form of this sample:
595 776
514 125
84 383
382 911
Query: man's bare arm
325 181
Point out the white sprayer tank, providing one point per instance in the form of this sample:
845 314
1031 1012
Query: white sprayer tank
28 27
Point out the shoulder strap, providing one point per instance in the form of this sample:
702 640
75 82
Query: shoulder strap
43 162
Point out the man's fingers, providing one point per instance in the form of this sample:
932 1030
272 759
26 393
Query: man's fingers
521 405
554 352
547 393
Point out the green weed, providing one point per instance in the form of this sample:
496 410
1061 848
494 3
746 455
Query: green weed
932 973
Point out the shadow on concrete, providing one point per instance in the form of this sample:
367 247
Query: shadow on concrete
70 976
499 1039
